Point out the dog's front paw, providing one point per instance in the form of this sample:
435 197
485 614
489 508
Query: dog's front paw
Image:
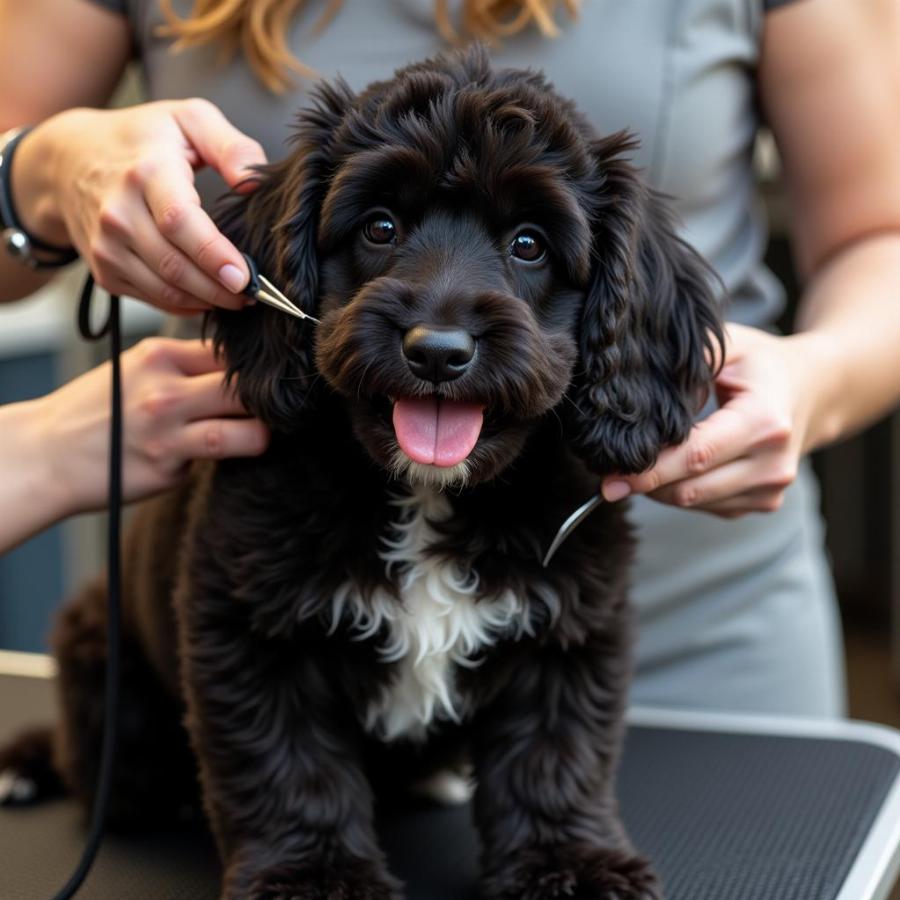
583 873
358 880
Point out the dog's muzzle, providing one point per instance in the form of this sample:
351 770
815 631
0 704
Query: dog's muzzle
432 429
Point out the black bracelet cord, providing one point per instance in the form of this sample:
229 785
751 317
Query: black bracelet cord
111 697
54 257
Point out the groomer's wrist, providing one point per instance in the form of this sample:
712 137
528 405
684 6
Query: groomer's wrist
820 367
36 182
32 490
67 452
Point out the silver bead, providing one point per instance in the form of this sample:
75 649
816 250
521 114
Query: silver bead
16 243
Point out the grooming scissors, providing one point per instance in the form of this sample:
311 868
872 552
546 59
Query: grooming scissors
570 525
260 288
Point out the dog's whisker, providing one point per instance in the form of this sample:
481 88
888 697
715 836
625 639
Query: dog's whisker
362 379
559 421
574 405
308 375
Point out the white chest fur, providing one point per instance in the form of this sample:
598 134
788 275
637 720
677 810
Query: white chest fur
438 624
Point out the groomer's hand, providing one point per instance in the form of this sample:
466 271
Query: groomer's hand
175 408
119 186
744 456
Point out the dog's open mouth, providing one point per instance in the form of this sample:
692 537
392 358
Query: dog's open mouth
435 431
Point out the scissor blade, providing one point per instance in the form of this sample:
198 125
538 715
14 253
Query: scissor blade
276 303
570 525
271 289
274 294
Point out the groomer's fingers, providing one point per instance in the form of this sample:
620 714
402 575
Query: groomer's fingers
764 474
172 265
724 436
220 145
207 396
757 500
175 208
121 271
124 288
222 438
145 284
187 357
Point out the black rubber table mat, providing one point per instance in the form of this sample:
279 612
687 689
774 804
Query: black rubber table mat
724 817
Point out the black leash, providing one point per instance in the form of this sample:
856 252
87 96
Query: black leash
112 327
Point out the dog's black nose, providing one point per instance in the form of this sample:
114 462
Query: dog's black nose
438 352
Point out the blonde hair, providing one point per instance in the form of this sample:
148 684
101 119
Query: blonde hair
259 27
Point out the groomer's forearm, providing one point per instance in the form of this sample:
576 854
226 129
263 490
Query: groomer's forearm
29 500
850 318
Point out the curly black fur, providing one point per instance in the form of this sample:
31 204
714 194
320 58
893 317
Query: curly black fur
589 362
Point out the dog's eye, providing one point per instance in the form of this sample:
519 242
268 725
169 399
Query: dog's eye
380 229
528 246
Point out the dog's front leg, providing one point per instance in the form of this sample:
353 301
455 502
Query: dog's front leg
545 748
284 788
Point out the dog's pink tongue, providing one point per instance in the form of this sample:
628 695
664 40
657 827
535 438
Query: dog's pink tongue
435 431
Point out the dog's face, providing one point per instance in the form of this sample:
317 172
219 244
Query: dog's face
479 261
454 259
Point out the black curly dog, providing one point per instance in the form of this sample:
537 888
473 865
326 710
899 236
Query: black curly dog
506 313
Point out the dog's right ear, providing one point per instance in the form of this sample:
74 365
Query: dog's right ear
268 353
651 330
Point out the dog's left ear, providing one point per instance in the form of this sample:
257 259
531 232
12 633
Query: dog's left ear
269 353
650 328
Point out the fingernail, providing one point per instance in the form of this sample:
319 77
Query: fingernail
232 277
616 490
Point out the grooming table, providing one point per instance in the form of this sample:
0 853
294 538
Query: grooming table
728 807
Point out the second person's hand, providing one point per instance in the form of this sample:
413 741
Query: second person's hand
176 408
118 185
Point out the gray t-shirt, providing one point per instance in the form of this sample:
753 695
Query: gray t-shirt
680 73
738 614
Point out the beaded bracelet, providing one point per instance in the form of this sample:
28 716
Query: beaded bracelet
26 248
